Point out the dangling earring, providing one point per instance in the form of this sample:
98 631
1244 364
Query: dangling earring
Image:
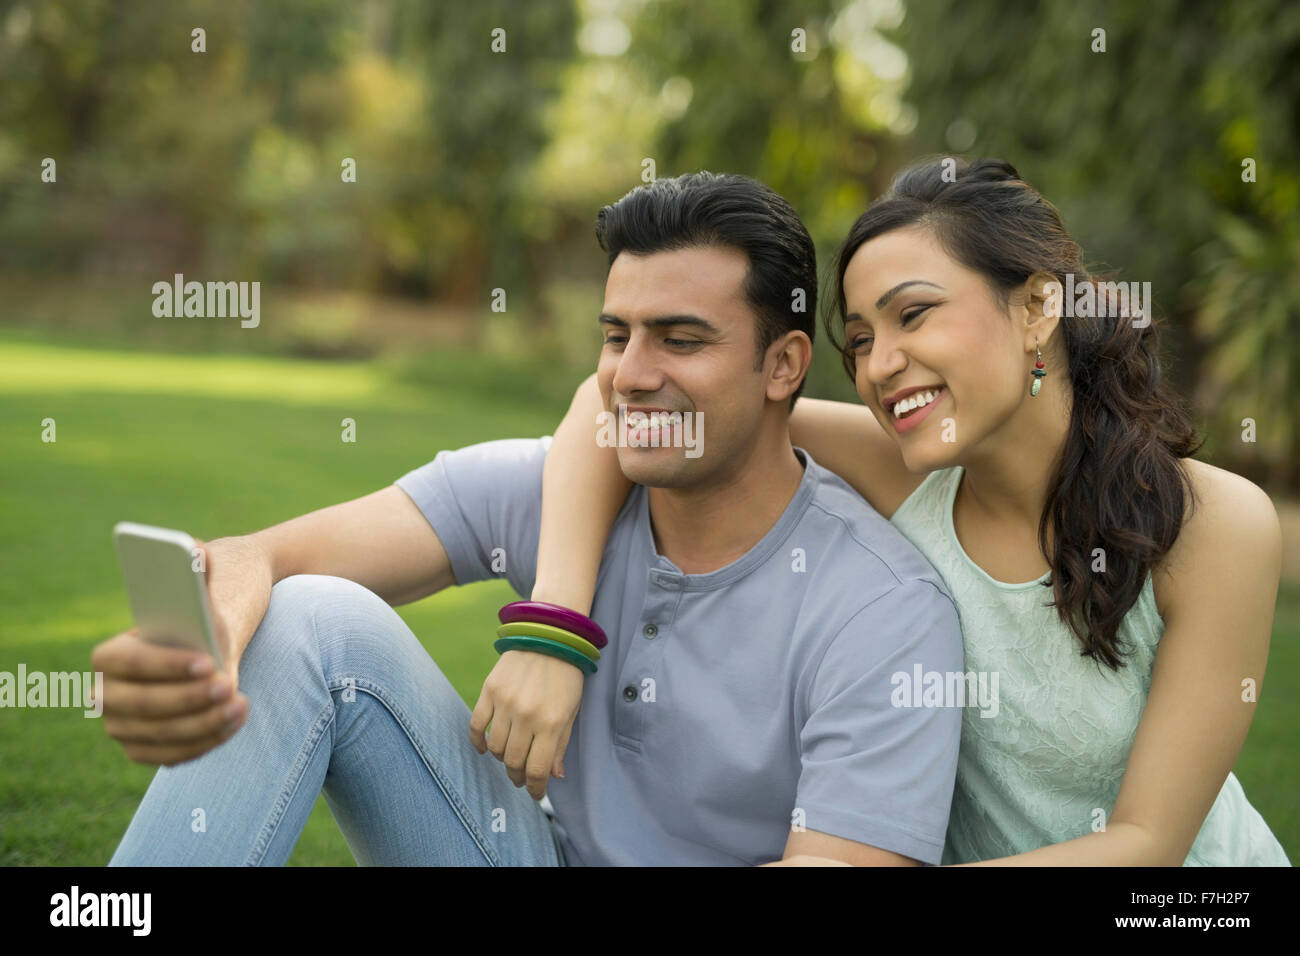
1038 371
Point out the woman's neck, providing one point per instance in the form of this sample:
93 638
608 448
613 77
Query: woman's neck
1008 474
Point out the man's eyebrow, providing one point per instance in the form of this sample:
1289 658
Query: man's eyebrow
660 321
885 299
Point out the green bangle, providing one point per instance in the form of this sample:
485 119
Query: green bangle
543 646
529 629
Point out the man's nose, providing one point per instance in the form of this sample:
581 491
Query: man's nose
638 368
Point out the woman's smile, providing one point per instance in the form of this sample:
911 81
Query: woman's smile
914 413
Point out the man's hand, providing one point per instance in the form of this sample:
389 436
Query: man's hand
531 701
158 708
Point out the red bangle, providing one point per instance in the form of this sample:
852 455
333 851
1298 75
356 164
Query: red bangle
543 612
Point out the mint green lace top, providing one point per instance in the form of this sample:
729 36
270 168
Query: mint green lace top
1051 760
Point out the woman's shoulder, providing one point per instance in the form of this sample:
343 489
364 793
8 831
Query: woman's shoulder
1226 511
1223 499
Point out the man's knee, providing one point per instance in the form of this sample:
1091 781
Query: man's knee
336 614
314 591
304 606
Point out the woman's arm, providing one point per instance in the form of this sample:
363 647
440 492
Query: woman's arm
1219 588
535 696
583 489
847 440
583 486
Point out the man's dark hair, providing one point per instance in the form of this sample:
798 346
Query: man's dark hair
725 209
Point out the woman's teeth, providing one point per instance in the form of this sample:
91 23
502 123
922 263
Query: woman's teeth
915 401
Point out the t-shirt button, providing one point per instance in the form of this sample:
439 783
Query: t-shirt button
629 693
650 631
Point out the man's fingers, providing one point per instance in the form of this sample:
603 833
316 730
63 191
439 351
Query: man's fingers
171 754
128 657
180 731
155 700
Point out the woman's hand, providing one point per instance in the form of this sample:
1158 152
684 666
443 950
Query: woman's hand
805 860
531 701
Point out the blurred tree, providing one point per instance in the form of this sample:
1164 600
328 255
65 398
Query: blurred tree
482 168
143 130
775 89
1250 314
490 67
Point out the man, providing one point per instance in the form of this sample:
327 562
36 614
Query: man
757 609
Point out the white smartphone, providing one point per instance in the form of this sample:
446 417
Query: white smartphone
166 588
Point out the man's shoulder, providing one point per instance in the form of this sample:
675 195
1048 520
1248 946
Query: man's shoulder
518 450
860 543
484 464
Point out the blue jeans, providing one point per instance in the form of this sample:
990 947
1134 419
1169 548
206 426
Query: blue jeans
342 700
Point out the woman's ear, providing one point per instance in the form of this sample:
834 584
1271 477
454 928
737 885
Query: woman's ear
1041 307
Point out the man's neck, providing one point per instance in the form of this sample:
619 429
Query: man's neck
704 529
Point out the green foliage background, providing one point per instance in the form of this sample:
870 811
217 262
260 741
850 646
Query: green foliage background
480 170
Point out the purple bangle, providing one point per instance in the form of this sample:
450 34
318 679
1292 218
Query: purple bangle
540 612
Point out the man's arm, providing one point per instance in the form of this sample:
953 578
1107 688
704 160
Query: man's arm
164 712
811 844
878 771
381 541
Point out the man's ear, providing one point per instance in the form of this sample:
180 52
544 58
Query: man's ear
1040 307
789 357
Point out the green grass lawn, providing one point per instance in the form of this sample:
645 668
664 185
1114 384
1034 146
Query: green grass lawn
215 445
226 444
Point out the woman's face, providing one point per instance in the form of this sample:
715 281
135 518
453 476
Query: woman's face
918 319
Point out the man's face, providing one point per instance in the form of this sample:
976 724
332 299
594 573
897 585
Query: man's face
681 337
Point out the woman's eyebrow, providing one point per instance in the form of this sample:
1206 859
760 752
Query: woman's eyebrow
884 300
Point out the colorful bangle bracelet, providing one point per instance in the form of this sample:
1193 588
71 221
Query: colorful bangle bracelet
543 612
529 629
542 646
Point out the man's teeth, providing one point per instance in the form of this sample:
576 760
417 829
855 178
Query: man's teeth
915 400
644 420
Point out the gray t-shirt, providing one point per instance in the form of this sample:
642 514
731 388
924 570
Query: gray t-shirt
729 707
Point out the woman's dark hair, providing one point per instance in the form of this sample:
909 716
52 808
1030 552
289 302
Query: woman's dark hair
726 209
1118 483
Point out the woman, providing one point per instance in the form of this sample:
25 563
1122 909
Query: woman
1122 591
